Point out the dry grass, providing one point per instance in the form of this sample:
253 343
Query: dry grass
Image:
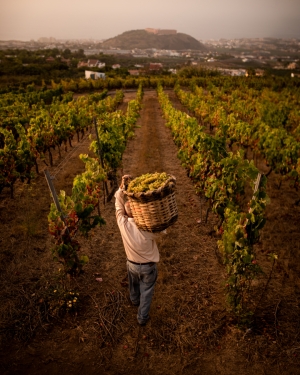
190 331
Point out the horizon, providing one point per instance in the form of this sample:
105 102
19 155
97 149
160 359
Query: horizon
71 20
102 40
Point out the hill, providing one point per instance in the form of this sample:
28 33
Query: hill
143 40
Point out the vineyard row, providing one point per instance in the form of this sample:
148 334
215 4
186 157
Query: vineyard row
222 177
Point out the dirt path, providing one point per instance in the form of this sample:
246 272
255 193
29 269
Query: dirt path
190 331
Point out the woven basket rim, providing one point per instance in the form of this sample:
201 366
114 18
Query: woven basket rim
168 186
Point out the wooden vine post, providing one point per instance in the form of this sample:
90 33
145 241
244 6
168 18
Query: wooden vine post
100 155
53 192
57 205
256 187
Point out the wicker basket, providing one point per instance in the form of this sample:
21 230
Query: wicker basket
155 210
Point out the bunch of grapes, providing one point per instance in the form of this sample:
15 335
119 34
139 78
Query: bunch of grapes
147 182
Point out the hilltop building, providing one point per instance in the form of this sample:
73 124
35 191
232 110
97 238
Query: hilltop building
161 31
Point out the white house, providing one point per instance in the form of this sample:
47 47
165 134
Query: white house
155 66
292 65
93 63
134 72
94 75
234 72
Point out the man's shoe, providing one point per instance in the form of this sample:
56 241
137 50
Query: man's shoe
142 323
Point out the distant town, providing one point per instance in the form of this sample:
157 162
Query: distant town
232 56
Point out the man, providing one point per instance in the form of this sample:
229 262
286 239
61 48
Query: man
142 256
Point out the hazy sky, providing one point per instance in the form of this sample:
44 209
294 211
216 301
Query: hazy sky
99 19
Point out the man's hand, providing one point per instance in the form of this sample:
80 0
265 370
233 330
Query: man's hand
125 181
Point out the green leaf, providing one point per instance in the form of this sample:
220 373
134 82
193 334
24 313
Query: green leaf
84 259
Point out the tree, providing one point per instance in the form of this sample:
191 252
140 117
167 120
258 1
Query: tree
79 54
251 72
67 53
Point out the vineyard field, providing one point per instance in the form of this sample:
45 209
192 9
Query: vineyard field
191 330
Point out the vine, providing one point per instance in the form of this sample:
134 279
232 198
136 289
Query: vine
223 177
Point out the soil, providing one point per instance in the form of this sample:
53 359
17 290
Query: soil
191 330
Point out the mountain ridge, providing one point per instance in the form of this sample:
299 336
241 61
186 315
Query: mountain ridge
144 40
